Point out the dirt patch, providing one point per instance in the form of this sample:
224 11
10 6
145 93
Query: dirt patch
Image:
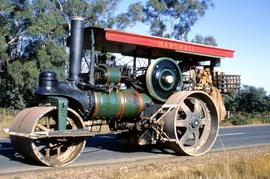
240 163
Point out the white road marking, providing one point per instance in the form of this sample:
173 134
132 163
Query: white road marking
230 134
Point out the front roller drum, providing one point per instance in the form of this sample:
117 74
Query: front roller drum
192 125
47 151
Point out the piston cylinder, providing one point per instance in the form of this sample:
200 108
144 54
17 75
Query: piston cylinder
105 74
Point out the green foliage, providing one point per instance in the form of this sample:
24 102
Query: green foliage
249 105
208 40
239 120
98 13
249 99
5 9
32 40
49 56
167 18
174 18
244 118
230 102
133 15
252 99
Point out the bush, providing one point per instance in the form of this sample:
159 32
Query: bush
239 121
243 118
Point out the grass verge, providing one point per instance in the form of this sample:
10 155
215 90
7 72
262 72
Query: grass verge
241 168
243 118
6 117
240 164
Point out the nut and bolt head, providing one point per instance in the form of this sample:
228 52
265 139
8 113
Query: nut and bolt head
168 79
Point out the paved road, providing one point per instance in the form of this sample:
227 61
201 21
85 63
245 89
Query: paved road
105 149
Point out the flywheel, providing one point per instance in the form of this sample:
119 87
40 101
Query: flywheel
163 78
191 123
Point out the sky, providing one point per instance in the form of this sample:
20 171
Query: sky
241 25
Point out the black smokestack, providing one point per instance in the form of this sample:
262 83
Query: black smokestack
75 57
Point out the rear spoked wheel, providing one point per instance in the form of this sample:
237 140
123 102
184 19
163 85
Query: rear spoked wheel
193 124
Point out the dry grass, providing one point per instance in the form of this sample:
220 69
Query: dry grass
6 118
240 169
243 118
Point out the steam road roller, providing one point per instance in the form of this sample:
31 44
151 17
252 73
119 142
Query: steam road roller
147 89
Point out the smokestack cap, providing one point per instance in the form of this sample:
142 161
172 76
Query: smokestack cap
77 18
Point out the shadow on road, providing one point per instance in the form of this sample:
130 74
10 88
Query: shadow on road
98 143
109 142
7 150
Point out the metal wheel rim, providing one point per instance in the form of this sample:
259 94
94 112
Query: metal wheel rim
196 125
190 140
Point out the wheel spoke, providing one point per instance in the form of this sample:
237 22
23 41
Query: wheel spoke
197 107
41 148
48 122
196 134
59 151
47 151
186 110
43 128
182 123
185 137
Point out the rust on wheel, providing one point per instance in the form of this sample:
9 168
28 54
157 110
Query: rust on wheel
192 124
47 151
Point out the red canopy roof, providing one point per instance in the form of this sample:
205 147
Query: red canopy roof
165 43
144 46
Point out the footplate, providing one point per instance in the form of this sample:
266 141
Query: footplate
55 134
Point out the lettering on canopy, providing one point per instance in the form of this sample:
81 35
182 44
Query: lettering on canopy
176 46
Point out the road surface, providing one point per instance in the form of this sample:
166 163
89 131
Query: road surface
105 149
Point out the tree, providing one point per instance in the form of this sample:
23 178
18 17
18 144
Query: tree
208 40
134 14
252 99
33 42
172 18
249 99
229 101
98 13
